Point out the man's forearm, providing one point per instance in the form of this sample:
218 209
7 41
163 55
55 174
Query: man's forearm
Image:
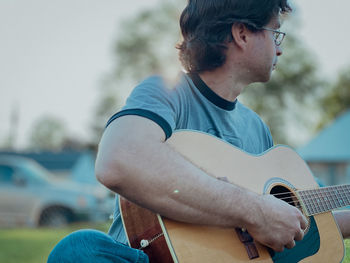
153 175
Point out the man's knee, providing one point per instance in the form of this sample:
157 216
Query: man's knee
78 246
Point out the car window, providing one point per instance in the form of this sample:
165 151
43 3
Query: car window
6 174
34 172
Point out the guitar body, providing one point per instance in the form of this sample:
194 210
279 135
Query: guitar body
280 167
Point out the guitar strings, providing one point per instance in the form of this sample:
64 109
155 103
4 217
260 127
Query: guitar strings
297 205
315 195
324 190
334 197
310 198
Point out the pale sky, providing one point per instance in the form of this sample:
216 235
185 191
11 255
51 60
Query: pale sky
53 54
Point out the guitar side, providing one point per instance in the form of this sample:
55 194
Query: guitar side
192 243
141 224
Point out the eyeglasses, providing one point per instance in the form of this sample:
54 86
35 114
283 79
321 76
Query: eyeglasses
277 35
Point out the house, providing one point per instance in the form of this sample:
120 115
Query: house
328 154
69 164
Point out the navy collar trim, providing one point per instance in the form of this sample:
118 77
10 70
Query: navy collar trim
211 95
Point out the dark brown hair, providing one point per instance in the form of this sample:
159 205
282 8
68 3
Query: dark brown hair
206 28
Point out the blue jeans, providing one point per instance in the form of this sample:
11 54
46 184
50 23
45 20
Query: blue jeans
94 246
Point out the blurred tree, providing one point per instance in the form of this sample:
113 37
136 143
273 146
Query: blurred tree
147 42
48 133
108 103
337 99
146 45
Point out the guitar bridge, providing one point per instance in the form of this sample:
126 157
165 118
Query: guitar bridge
248 243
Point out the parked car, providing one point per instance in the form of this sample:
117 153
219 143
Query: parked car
31 196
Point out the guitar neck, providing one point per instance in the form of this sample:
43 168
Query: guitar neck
325 199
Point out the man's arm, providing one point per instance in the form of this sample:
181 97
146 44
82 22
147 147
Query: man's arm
343 220
134 161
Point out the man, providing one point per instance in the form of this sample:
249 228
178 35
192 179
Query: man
227 44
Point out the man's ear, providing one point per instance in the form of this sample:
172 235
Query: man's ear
240 34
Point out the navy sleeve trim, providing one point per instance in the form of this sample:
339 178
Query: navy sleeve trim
147 114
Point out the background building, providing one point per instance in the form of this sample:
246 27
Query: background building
328 154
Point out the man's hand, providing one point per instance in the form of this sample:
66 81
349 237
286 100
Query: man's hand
277 224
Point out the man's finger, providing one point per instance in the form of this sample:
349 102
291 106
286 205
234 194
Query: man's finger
299 235
290 244
304 223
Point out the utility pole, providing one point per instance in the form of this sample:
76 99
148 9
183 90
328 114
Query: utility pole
13 131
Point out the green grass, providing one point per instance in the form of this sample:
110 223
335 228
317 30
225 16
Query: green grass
34 245
347 252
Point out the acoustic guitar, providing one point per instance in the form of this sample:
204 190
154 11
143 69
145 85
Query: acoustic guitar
279 171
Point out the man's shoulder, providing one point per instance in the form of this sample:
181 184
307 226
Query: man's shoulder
250 115
246 111
258 128
153 81
161 84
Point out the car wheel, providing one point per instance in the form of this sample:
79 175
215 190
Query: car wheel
55 217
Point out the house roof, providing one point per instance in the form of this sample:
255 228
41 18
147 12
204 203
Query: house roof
332 144
53 161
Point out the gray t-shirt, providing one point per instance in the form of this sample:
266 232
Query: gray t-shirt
191 104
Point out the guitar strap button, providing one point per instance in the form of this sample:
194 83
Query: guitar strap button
144 243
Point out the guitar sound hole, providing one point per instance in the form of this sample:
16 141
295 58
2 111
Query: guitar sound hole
287 195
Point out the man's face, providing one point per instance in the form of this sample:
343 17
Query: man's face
265 52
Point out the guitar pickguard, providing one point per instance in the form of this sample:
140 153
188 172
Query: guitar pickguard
310 244
307 247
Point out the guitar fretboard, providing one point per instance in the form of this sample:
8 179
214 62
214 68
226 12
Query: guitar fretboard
325 199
